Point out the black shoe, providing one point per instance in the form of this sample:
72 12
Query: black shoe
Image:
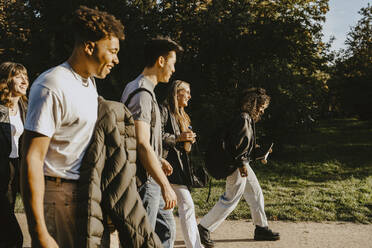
205 237
265 234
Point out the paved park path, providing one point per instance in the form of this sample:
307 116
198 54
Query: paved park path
239 234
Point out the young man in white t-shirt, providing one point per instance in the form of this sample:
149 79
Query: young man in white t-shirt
61 117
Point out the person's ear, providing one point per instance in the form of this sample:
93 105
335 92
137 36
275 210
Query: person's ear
89 47
161 61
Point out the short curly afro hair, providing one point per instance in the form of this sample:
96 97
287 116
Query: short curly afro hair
93 25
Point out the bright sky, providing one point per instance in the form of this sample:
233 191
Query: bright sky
342 15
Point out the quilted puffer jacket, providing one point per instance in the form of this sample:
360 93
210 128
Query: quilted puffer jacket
107 184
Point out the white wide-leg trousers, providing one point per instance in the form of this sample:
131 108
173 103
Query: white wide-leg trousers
236 187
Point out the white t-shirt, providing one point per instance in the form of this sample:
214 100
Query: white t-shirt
16 127
65 110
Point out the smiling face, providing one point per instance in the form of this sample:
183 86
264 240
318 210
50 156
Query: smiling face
167 67
183 95
104 56
19 84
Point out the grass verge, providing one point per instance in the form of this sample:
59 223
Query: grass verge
325 175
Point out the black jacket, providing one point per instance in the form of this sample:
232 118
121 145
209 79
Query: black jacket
173 151
240 139
6 142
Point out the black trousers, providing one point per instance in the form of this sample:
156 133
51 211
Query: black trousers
10 231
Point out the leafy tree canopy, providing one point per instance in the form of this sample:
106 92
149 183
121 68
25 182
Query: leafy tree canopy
229 45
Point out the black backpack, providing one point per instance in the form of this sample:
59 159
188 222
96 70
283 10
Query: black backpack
219 161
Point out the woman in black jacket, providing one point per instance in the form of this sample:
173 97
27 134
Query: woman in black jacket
243 181
13 88
177 141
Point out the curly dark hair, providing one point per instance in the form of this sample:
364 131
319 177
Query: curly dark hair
8 70
92 25
251 100
159 46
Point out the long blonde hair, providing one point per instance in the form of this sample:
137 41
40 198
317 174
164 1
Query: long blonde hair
181 116
7 71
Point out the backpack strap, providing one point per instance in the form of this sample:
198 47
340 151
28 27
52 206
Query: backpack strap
141 174
153 114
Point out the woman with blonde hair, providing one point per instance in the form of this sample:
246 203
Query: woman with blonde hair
177 142
13 103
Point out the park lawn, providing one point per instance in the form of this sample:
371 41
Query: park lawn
325 175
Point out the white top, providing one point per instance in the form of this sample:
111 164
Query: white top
16 127
65 110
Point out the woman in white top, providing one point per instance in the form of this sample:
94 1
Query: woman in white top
13 104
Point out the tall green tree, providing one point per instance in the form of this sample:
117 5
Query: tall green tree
232 44
229 45
352 77
15 30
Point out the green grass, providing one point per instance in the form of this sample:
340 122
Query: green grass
325 175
